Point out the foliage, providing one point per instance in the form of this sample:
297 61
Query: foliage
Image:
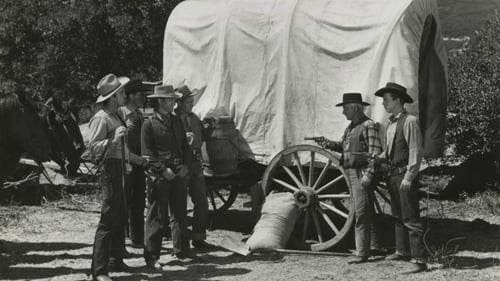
474 115
63 47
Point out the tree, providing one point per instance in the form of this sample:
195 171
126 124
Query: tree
62 48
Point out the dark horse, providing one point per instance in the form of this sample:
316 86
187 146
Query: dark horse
20 132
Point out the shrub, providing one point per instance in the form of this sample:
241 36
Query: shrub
474 96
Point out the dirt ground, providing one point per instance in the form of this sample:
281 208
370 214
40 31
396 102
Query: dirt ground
54 242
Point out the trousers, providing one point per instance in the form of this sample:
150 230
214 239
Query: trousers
109 238
409 230
137 198
364 214
164 196
198 194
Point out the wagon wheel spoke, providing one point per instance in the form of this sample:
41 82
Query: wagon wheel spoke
333 209
299 166
386 199
311 169
334 181
376 203
318 226
334 196
219 195
328 221
306 224
322 175
292 175
287 185
212 200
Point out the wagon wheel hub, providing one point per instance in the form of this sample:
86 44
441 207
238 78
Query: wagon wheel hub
306 197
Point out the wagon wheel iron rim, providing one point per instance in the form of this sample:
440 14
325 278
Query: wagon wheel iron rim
320 190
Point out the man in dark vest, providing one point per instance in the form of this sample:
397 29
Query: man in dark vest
198 133
164 143
135 93
403 155
361 136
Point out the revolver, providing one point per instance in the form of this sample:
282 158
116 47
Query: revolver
316 139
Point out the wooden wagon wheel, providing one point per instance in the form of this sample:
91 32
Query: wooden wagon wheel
324 198
221 197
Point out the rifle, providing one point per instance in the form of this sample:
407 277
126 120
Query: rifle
316 139
365 154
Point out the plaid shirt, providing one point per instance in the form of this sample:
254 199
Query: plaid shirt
371 141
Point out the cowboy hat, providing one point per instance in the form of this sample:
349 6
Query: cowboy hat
109 85
396 89
137 85
352 98
165 91
186 92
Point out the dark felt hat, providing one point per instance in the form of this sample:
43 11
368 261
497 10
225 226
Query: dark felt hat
396 89
352 98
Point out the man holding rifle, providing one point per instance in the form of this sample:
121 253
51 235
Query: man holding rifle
165 145
107 143
361 136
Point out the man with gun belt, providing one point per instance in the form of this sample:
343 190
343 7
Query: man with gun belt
402 156
165 145
361 136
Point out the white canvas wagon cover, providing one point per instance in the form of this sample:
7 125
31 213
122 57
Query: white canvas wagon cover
278 67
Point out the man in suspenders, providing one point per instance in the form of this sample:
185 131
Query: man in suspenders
403 154
361 136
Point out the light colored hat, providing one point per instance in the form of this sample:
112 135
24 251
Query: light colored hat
109 85
165 91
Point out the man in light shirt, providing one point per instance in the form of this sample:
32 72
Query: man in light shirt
108 144
403 155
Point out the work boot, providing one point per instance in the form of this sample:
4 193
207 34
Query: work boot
185 256
378 251
102 278
416 266
357 259
201 244
116 265
153 264
397 257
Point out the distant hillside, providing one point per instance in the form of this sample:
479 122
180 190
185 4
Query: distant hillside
461 17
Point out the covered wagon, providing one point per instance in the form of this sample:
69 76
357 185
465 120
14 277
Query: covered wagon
278 67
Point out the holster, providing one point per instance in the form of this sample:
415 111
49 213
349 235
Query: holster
151 187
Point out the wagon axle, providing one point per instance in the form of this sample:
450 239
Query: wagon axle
305 197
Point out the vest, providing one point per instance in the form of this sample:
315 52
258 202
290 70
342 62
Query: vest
357 143
400 152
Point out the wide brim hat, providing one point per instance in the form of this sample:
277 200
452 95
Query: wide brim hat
110 85
396 89
137 85
165 91
186 92
352 98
